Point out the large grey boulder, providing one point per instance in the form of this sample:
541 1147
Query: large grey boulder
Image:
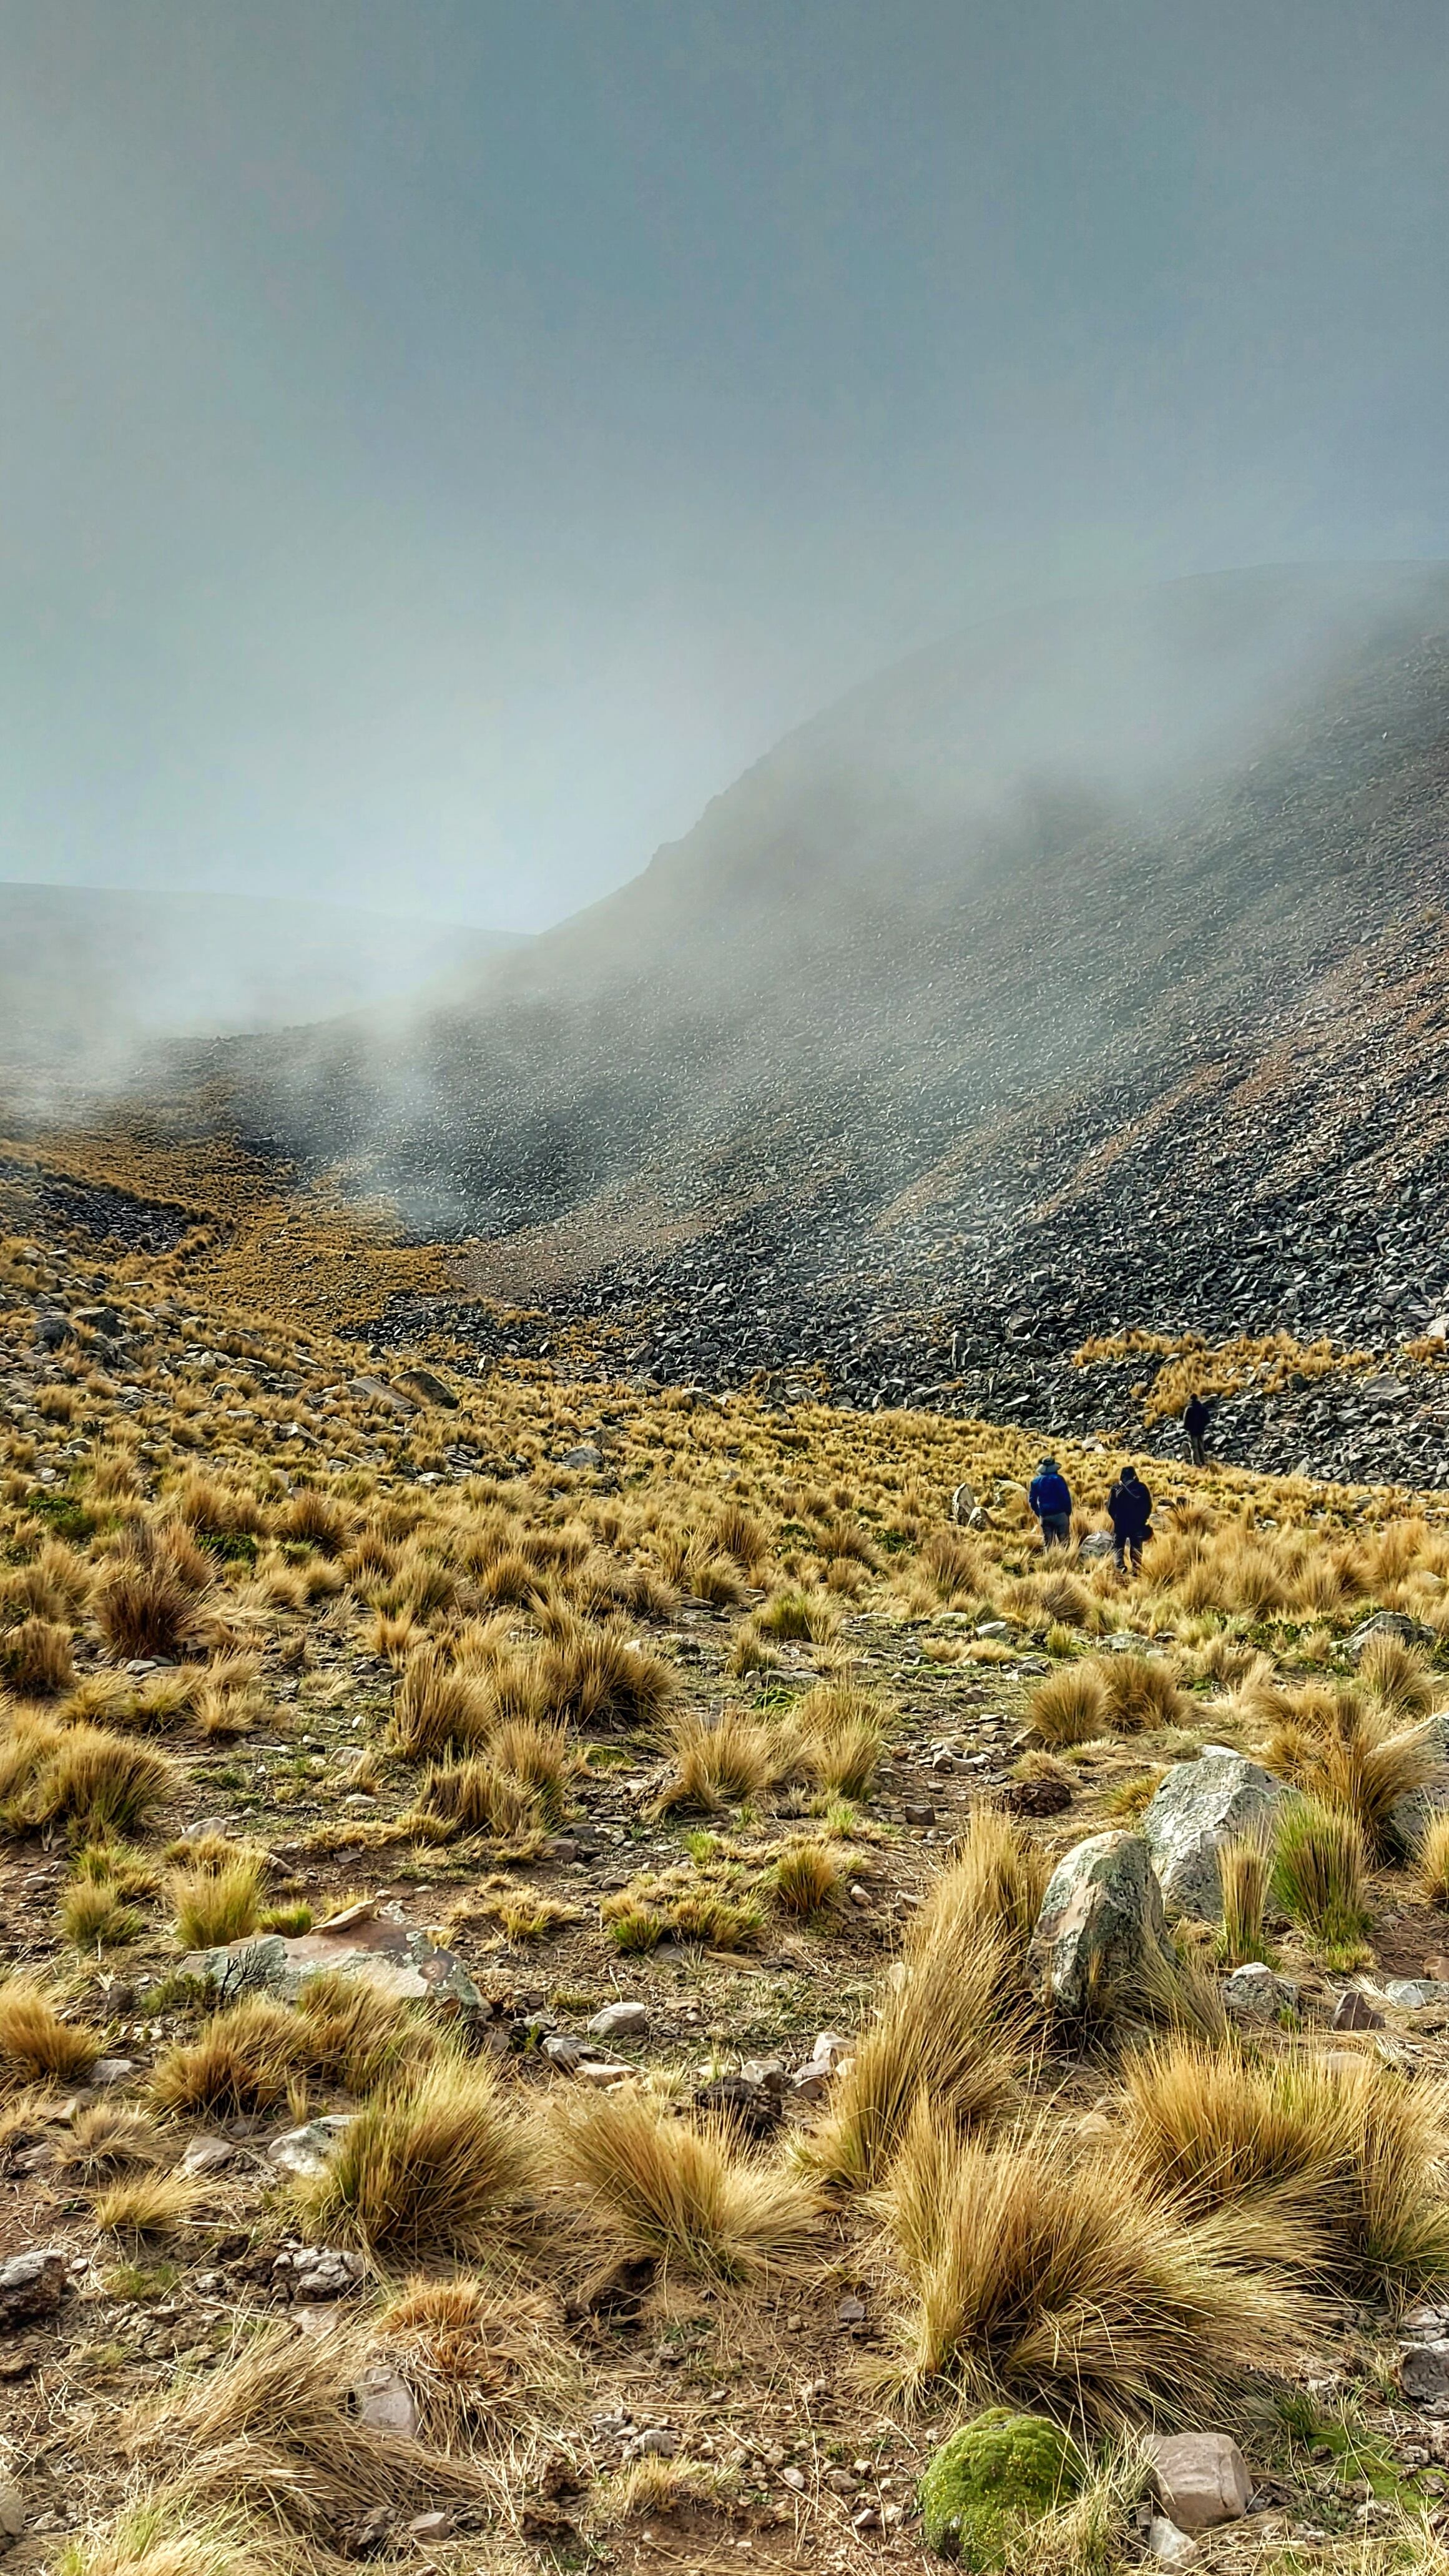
1201 2478
1200 1806
1101 1937
369 1942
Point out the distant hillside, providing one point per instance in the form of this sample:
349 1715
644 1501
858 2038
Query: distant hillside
1087 973
91 980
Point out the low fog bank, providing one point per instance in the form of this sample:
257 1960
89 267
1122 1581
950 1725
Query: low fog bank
97 986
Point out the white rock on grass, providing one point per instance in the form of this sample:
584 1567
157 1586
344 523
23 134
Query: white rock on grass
623 2020
1255 1994
1200 1806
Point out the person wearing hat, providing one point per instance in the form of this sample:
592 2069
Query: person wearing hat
1050 1497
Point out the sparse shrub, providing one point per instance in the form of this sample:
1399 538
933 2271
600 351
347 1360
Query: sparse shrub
1062 2285
1069 1707
34 2041
807 1879
681 2190
1320 1874
36 1658
424 2167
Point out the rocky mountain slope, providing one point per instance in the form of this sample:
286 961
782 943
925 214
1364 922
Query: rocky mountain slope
1082 978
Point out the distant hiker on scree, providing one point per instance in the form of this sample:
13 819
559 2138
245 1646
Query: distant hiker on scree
1195 1419
1050 1497
1129 1508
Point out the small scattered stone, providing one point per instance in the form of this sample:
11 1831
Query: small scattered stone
1424 2372
1353 2011
1254 1993
32 2286
207 2155
1169 2546
623 2020
109 2071
385 2402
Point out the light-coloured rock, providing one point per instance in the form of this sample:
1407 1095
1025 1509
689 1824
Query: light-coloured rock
829 2048
623 2020
1200 1806
1424 2372
1411 1816
310 2149
1101 1928
32 2286
369 1942
12 2512
1391 1623
110 2071
585 1454
385 2402
564 2053
1202 2478
603 2071
1255 1993
1169 2546
208 2155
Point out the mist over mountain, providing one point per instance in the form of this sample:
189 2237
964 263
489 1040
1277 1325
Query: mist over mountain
94 981
1086 973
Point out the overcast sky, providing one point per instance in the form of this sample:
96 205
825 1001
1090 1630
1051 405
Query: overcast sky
444 441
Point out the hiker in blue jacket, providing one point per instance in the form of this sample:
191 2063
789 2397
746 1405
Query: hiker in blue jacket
1050 1497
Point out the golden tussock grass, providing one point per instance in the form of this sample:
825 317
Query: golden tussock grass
807 1879
1070 1706
1431 1861
146 2204
722 1759
352 2034
271 2435
217 1898
476 2359
35 2041
1063 2285
478 1796
681 2189
436 1706
105 2140
36 1658
950 2022
1358 2156
147 1601
93 1916
1245 1872
85 1776
426 2167
841 1731
1320 1875
1349 1751
169 2534
241 2060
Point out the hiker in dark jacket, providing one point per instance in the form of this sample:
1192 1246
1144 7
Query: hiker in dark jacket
1129 1509
1195 1419
1050 1497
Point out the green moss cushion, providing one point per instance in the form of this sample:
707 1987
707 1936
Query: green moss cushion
993 2473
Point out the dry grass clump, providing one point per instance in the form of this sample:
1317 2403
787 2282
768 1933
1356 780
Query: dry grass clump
424 2167
1352 1752
106 2140
472 2357
840 1730
241 2060
436 1706
353 2034
84 1776
270 2435
807 1879
218 1507
600 1677
955 1566
36 1658
148 1600
55 1585
1070 1706
1431 1861
217 1897
34 2041
1356 2157
145 2204
1068 2286
170 2535
93 1915
540 1758
479 1797
951 2023
721 1760
1320 1875
1142 1693
1397 1676
682 2189
1245 1872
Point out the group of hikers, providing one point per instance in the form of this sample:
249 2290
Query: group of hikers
1129 1504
